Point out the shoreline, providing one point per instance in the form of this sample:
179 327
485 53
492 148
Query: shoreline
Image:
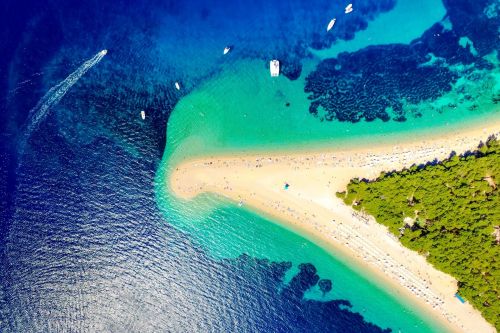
405 136
309 207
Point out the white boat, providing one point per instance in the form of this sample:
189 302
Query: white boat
348 9
227 49
143 115
177 86
331 24
274 67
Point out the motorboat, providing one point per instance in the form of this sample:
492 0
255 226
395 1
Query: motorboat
274 67
177 86
143 115
331 24
348 9
226 50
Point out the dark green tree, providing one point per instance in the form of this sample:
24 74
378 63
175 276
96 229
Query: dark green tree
449 213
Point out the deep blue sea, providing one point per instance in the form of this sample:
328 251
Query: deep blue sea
84 246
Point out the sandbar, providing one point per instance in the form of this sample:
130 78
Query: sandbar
309 206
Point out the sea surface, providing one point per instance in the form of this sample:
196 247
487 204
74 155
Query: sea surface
91 240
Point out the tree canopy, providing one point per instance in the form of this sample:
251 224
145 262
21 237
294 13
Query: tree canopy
450 213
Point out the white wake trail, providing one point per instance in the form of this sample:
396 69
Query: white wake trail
54 95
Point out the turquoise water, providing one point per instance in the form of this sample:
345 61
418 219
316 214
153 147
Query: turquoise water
396 26
226 115
90 237
244 108
227 231
241 108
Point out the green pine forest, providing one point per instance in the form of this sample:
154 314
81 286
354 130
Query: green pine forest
450 213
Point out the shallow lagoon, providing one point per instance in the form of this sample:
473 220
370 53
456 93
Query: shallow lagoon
97 241
243 109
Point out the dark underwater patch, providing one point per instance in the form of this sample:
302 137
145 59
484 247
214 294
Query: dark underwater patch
287 310
86 235
365 84
375 82
292 50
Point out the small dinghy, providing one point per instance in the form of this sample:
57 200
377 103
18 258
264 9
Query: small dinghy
143 115
274 67
177 86
226 50
331 24
348 9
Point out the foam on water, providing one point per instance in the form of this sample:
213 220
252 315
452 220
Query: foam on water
85 246
241 108
57 92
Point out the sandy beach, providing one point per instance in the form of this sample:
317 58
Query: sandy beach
309 206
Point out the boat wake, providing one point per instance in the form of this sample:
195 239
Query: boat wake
55 94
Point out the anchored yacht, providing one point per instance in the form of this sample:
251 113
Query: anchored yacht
274 67
331 24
